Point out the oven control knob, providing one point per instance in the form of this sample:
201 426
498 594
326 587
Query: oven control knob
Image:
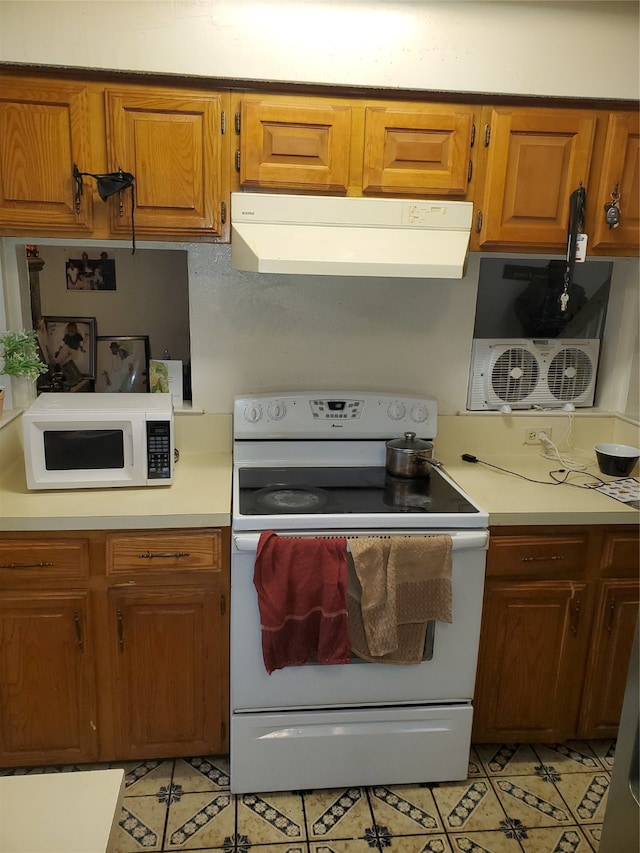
277 411
419 414
396 411
253 414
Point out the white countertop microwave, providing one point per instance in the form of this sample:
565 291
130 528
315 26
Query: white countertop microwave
95 441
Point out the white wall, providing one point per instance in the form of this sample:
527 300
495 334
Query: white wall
266 332
583 49
252 332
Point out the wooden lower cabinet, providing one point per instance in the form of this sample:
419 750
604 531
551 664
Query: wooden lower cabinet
113 646
167 663
559 615
47 691
532 648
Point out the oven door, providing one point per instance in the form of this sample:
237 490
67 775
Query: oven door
448 676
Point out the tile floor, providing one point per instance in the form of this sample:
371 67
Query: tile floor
517 799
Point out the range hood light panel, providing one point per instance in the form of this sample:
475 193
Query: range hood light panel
311 235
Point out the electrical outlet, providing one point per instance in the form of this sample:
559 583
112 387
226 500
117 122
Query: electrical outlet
532 436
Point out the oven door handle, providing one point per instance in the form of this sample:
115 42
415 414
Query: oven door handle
463 541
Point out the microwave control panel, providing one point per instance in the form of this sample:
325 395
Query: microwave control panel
159 450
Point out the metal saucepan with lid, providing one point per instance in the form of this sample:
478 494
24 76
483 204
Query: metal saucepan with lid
410 457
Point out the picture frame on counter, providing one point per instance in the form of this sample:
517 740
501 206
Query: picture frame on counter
166 377
122 364
69 339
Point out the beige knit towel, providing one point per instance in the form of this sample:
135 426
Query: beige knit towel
377 585
408 575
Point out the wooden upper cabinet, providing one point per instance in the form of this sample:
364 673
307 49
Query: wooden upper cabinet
621 174
295 143
44 130
417 149
171 141
535 159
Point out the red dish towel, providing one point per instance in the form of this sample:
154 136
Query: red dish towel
302 599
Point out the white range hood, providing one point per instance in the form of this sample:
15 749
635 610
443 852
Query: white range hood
318 235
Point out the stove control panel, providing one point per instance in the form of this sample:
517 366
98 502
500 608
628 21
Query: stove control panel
329 414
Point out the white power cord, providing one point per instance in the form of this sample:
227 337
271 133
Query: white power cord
576 460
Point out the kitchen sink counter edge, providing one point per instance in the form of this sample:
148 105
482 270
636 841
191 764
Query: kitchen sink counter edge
200 495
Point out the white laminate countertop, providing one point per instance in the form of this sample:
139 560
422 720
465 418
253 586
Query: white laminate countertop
512 500
60 812
200 495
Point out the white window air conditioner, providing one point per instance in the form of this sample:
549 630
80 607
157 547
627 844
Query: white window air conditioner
526 374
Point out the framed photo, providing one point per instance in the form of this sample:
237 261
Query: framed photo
69 339
122 364
87 273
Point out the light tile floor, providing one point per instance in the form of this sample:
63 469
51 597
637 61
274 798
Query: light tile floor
542 798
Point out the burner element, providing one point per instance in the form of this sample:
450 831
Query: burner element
296 499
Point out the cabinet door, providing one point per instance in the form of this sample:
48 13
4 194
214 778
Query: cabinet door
47 693
532 648
44 130
606 675
417 149
169 648
535 159
295 144
621 174
171 142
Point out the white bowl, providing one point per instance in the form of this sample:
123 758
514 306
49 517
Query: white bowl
617 460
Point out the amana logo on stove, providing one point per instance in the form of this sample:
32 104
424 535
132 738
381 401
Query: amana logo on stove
337 426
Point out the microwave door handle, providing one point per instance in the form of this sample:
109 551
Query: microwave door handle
130 437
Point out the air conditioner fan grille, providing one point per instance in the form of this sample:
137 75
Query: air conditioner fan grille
570 373
514 375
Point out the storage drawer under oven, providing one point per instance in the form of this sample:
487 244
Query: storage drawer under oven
338 749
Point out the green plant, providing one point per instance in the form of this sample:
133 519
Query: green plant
19 355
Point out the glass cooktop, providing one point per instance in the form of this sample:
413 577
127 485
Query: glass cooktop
340 491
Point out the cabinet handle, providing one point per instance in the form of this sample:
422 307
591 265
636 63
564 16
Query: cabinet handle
612 610
120 630
40 565
541 559
575 617
237 160
79 634
149 556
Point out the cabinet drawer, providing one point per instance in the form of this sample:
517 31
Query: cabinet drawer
31 559
537 556
179 550
620 554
